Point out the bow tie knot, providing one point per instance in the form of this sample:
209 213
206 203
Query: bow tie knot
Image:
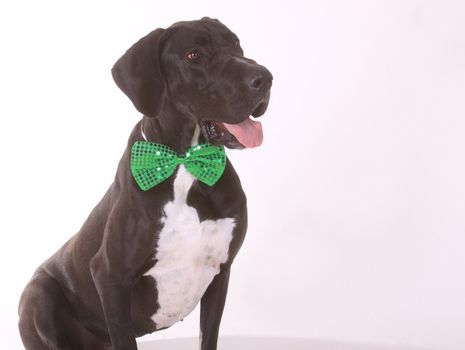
152 163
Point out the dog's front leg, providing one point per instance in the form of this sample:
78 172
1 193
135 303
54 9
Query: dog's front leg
115 299
114 267
211 310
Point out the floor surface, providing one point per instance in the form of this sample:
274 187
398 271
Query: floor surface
256 343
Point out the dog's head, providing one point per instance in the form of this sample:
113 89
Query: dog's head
198 67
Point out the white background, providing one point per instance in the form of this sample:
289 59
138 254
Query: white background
356 198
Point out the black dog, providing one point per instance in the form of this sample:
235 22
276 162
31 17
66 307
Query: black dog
144 259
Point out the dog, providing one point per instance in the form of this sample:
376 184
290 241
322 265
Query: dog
145 257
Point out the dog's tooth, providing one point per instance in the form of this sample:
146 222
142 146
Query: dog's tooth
213 130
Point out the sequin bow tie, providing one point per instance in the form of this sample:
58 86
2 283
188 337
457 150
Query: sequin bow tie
152 163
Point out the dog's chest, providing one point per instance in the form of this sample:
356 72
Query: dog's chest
189 254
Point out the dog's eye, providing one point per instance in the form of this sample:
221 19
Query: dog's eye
193 55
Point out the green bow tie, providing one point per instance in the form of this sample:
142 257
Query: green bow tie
152 163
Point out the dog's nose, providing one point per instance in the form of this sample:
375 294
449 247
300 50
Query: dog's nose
261 81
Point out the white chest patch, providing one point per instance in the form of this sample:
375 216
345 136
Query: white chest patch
189 254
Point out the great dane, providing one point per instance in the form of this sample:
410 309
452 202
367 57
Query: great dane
145 257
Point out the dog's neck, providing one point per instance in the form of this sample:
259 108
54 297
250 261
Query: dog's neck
172 129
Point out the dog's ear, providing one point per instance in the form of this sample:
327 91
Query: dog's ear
139 75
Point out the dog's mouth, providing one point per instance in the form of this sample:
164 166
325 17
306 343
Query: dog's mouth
246 134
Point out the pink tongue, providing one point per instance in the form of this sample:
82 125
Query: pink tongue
249 132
